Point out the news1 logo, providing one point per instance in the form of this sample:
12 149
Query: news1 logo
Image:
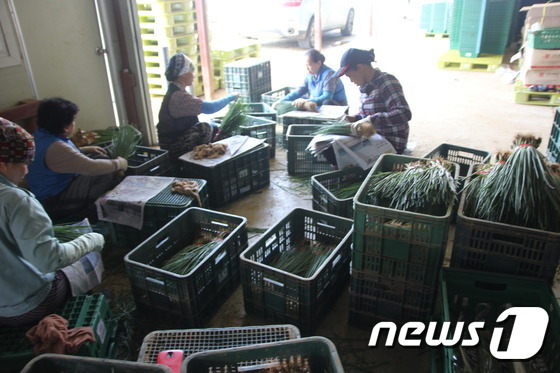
525 340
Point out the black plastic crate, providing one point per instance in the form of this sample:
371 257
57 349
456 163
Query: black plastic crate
191 341
158 211
288 119
66 363
504 248
234 178
463 156
553 149
320 352
261 128
84 310
187 300
280 296
146 161
324 184
462 290
261 110
301 161
273 96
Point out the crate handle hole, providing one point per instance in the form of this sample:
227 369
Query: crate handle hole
155 168
220 257
163 241
153 280
219 223
326 225
273 282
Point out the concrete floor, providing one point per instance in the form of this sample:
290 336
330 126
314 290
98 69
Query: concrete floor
472 109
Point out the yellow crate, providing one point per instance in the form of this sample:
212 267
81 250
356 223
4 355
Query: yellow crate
158 7
169 32
149 19
171 43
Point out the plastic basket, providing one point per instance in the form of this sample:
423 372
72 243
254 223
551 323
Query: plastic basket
504 248
280 296
164 6
248 76
146 161
234 178
271 97
375 298
198 340
150 19
460 288
463 156
158 211
261 128
300 160
400 245
187 300
323 186
67 363
553 149
261 110
288 119
320 351
81 311
548 38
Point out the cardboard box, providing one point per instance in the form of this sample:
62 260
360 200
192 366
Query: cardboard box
540 76
541 58
548 15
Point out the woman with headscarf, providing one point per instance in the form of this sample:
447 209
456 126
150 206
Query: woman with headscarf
179 130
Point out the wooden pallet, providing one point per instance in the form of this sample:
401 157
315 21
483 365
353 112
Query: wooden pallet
452 60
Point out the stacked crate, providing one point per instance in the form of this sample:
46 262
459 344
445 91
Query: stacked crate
436 17
224 54
553 149
396 257
167 27
250 77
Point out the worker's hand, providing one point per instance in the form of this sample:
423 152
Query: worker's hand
95 241
93 149
310 106
363 127
351 118
81 246
299 103
122 164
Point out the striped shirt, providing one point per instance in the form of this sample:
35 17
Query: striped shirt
383 100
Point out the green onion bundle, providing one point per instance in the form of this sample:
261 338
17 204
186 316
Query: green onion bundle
425 187
523 191
337 128
124 142
284 107
186 259
67 232
233 120
303 259
347 191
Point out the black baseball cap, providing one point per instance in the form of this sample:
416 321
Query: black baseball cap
353 57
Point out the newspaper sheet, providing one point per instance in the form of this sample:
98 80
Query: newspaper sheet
325 112
237 145
125 204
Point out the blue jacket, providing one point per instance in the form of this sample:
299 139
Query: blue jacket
326 86
43 182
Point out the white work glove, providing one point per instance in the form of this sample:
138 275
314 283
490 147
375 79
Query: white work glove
363 127
122 164
299 103
81 246
93 149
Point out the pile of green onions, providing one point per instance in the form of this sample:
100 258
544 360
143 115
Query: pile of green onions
124 142
336 128
68 232
426 187
347 191
186 259
233 120
523 191
284 107
303 259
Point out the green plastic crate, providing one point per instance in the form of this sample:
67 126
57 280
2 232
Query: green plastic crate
84 310
288 119
301 161
400 245
280 296
271 97
548 38
234 178
261 128
320 351
460 287
323 185
146 161
68 363
191 341
158 211
187 300
553 149
504 248
261 110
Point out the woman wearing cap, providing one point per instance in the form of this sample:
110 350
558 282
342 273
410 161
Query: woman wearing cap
383 106
179 130
321 86
32 282
67 179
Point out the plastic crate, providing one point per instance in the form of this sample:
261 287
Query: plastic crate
548 38
463 156
504 248
169 31
459 287
375 298
173 43
261 128
320 351
301 161
81 311
67 363
280 296
158 211
400 245
271 97
261 110
146 161
248 76
158 7
149 19
198 340
553 149
187 300
323 185
234 178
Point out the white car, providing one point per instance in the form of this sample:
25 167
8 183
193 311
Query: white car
295 19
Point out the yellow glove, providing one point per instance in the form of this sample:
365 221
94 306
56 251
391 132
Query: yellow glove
363 127
299 103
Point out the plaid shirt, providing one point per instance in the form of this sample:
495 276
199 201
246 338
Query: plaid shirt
383 100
